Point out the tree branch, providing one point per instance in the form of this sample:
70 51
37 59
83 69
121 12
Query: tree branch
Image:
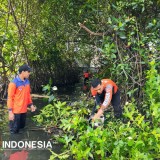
89 31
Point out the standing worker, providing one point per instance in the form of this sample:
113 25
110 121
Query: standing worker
19 98
105 92
86 76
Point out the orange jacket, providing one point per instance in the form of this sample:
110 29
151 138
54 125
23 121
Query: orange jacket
86 75
109 86
19 97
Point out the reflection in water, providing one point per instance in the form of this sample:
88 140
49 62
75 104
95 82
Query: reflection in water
22 155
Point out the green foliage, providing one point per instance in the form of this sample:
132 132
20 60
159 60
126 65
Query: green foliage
118 140
48 90
152 92
47 35
3 117
3 124
61 156
131 42
51 114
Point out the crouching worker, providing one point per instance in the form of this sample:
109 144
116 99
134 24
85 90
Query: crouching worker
106 92
19 99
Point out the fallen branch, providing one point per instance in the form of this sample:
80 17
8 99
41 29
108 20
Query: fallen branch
89 31
39 96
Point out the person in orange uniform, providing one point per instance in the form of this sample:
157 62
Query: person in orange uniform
86 76
19 99
106 92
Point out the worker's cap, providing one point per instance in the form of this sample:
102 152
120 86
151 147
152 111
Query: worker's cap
24 67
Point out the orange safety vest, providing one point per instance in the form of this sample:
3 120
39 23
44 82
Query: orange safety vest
19 97
105 82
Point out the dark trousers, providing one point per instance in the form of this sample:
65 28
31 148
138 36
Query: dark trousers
18 122
85 80
115 102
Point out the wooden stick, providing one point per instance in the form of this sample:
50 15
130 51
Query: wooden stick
39 96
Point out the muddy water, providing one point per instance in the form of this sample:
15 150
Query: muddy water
29 134
69 94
